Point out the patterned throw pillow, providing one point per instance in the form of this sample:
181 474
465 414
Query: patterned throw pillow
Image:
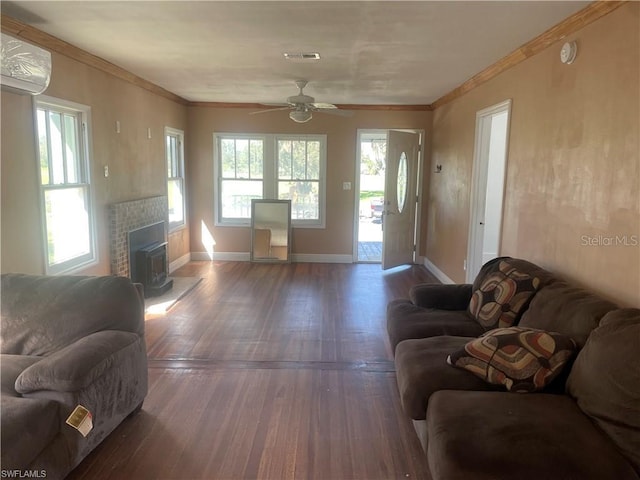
502 296
521 359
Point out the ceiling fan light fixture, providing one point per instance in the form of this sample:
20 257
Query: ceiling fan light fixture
300 116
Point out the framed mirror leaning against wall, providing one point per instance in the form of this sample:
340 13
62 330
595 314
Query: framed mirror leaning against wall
271 231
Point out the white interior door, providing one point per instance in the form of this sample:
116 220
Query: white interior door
487 196
399 214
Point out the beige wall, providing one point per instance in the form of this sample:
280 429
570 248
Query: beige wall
21 232
337 237
136 163
573 166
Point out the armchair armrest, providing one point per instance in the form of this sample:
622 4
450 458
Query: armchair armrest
443 297
78 365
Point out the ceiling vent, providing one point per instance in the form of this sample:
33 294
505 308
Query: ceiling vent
302 56
25 67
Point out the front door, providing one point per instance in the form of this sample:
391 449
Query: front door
399 210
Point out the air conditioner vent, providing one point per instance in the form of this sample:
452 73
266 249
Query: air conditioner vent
302 55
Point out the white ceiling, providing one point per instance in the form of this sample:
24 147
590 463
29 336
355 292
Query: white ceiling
380 52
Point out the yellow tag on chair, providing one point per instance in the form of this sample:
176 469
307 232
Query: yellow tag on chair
81 419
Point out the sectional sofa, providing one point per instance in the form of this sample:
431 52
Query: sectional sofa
519 375
67 341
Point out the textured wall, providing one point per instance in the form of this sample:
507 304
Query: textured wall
136 163
21 242
337 237
572 198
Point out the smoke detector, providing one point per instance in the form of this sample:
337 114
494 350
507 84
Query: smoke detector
568 52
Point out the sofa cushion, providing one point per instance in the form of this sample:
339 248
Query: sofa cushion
28 426
521 359
421 370
406 320
75 367
605 380
11 367
503 295
496 435
42 314
442 297
566 309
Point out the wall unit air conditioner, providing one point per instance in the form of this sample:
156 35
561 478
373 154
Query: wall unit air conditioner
26 68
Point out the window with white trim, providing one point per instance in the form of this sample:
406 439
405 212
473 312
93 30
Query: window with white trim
65 187
299 176
286 167
241 172
176 197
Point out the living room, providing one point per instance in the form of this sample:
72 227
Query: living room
557 117
571 205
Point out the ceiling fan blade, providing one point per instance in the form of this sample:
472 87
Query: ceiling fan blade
302 106
269 110
325 106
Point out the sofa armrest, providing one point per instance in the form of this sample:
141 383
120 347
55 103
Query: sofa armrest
443 297
78 365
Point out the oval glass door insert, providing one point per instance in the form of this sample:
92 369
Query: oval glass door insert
402 182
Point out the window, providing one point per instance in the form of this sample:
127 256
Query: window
175 178
299 177
241 176
285 167
63 156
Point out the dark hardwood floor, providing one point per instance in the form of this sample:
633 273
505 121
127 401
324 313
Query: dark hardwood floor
272 372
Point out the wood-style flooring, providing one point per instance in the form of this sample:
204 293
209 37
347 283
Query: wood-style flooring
270 371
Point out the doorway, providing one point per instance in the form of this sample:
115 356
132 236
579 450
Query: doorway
488 179
387 191
372 151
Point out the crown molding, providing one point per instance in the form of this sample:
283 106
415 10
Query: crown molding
569 25
54 44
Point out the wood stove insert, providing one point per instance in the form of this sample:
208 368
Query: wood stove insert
148 259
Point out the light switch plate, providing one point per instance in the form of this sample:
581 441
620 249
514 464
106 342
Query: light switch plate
346 185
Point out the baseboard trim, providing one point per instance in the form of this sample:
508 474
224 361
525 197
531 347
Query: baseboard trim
321 258
439 274
221 256
245 257
180 262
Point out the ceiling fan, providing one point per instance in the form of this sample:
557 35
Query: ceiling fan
302 106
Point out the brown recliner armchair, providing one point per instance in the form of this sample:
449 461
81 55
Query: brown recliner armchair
67 341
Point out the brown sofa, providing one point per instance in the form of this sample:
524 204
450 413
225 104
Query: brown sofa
67 341
584 424
435 310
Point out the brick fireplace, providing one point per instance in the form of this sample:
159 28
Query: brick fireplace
126 217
